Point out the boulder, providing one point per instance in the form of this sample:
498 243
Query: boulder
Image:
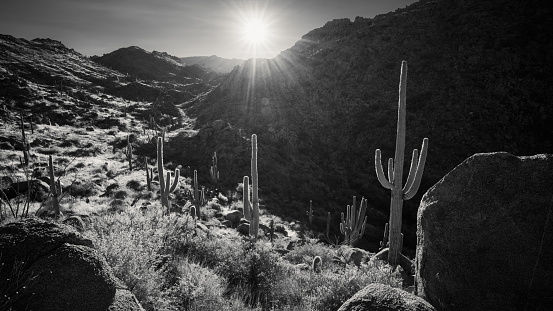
380 297
243 229
233 216
52 267
38 190
484 235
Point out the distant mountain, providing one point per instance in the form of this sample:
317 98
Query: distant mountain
158 66
215 63
479 80
51 81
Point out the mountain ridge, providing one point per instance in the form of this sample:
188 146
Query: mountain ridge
214 62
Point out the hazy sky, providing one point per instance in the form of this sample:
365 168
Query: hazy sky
178 27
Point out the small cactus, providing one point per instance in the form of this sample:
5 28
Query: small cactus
55 188
128 152
310 212
149 174
317 264
214 170
384 242
24 141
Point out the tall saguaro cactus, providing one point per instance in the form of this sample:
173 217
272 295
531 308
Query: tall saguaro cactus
55 188
254 223
165 185
395 174
353 225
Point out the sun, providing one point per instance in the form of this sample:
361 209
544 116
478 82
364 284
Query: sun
255 31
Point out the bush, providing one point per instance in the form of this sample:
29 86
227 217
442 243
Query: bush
135 185
120 195
252 272
82 189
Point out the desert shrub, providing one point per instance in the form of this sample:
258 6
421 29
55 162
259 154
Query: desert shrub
305 253
93 150
117 206
69 142
82 189
197 288
135 185
120 195
133 244
111 173
280 228
251 271
52 150
328 290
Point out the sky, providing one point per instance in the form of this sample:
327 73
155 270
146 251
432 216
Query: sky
181 27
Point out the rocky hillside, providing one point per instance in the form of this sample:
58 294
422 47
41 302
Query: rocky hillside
155 65
479 81
60 84
213 62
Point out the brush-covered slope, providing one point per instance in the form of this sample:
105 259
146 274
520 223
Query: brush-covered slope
213 62
479 80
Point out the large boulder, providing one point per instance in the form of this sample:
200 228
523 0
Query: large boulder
380 297
484 235
48 266
233 216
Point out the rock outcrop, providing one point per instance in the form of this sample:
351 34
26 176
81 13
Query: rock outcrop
380 297
47 266
485 233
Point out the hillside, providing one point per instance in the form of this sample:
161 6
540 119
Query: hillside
155 65
213 62
478 82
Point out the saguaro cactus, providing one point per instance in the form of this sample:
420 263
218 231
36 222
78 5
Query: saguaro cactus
165 185
246 199
254 223
395 174
353 225
55 188
214 170
24 141
149 174
310 212
128 152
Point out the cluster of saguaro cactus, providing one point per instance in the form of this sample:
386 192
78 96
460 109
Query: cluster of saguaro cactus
165 185
353 225
197 195
55 188
395 174
128 152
